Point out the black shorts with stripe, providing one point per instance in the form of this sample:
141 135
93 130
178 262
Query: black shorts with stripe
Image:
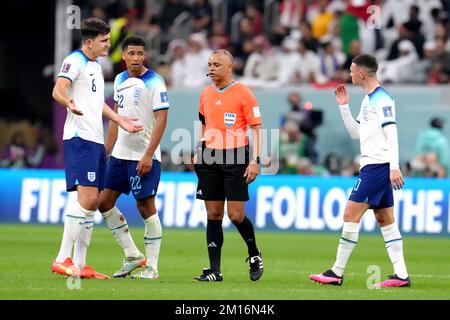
221 174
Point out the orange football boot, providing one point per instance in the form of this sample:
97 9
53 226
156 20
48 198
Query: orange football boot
65 268
89 273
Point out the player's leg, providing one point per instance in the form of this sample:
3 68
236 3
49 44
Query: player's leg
116 183
118 225
236 213
152 236
214 232
82 168
88 198
144 189
350 232
211 189
214 241
236 191
92 164
75 217
394 246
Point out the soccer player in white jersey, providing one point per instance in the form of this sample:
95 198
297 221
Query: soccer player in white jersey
376 128
80 88
134 164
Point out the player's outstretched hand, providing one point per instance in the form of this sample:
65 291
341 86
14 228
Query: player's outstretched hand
73 108
397 179
251 172
144 165
341 95
128 124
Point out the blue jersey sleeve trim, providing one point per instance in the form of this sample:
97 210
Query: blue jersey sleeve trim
160 108
388 123
65 77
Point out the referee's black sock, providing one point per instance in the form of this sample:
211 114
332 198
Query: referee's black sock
247 232
214 239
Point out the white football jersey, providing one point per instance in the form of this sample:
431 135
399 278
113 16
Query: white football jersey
138 98
377 111
87 92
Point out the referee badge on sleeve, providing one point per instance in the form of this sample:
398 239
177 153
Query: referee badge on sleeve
256 112
229 119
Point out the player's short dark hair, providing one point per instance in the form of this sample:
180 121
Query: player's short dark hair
93 27
133 41
366 61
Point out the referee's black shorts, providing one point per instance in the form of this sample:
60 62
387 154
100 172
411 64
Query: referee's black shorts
221 174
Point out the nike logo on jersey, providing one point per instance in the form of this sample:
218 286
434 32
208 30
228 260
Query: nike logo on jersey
91 74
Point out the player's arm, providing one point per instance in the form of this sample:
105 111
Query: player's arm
252 170
386 114
145 164
126 123
252 115
111 137
199 147
60 94
390 132
350 123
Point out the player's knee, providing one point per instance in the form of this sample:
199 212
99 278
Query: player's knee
104 206
91 202
236 216
215 215
144 209
384 220
350 217
140 206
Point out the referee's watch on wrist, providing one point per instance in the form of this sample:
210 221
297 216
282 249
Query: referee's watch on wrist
256 160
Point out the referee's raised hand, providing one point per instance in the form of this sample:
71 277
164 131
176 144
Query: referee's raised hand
251 172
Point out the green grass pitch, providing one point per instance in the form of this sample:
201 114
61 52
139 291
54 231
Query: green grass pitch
26 253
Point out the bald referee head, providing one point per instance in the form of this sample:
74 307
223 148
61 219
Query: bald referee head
220 66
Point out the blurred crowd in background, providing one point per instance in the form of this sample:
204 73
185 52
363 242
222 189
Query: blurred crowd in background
275 44
283 42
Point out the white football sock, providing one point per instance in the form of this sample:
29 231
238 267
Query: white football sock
117 223
152 240
347 242
84 239
394 246
73 223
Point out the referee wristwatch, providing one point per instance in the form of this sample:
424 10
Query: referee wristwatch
257 159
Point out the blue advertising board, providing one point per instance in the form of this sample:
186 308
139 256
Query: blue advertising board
277 202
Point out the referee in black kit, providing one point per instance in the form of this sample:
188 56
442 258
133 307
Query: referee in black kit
222 162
